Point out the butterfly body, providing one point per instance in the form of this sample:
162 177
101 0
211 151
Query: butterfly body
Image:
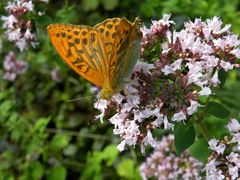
104 54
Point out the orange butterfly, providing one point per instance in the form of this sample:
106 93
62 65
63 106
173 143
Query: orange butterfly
104 54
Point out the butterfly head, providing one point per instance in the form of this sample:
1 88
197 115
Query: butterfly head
138 21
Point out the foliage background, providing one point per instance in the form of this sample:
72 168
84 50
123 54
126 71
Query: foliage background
42 135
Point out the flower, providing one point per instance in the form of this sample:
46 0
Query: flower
17 28
224 161
164 164
184 66
13 67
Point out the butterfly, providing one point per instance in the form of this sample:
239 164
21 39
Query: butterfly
104 54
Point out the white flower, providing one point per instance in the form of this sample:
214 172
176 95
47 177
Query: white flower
233 126
14 35
101 105
29 35
167 70
210 61
207 33
236 52
21 44
180 116
164 21
10 76
121 146
216 146
232 40
193 107
215 79
226 65
236 138
226 28
206 91
28 5
233 171
149 140
166 123
118 98
234 158
195 73
143 67
45 1
165 48
9 21
215 24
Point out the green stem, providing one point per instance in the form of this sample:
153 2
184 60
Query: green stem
204 131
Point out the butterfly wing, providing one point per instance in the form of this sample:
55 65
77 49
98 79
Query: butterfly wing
107 28
82 48
126 50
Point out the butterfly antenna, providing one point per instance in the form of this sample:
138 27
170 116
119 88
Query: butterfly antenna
79 99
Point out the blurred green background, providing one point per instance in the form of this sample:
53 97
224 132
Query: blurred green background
42 135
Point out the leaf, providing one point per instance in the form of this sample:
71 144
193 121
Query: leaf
200 150
60 141
37 170
109 154
109 4
58 172
126 169
90 5
218 110
184 137
222 75
41 124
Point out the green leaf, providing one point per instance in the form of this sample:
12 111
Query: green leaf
109 4
58 172
90 5
184 137
60 141
222 75
109 154
218 110
200 150
126 169
41 124
37 170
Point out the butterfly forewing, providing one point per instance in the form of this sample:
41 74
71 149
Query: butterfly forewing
82 48
107 28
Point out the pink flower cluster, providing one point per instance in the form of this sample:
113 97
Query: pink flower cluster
17 28
13 67
164 164
224 162
185 67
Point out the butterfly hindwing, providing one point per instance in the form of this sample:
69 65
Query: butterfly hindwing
82 48
126 51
